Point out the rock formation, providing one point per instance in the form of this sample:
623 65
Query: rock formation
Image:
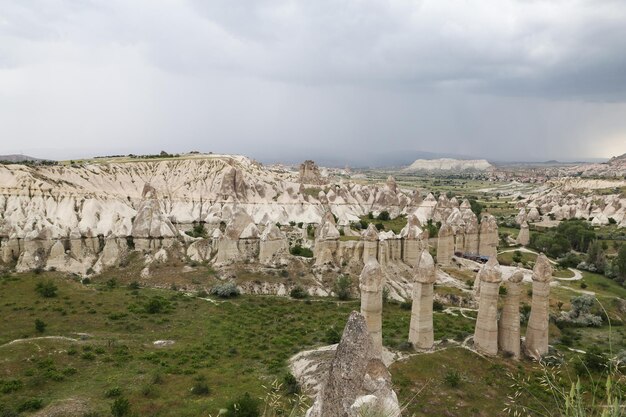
326 241
486 331
413 238
310 173
523 238
488 242
370 243
228 246
371 283
537 331
273 243
421 333
357 379
509 324
445 245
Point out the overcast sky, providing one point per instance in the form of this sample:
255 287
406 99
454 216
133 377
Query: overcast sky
347 79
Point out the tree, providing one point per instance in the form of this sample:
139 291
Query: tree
342 287
597 256
46 289
384 215
40 326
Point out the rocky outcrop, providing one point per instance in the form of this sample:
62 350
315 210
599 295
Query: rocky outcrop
449 165
486 331
413 238
326 241
536 344
357 380
488 241
371 283
370 243
421 333
509 323
523 238
310 173
273 244
445 245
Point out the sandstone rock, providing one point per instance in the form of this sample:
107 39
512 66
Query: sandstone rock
310 173
370 243
536 344
413 238
509 324
445 245
273 244
523 238
486 332
488 239
371 283
356 378
421 333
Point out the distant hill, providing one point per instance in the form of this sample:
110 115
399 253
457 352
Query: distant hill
18 158
449 165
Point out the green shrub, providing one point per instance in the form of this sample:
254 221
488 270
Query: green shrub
332 335
11 385
40 326
202 294
134 285
452 378
200 387
32 404
437 306
383 215
245 406
406 305
342 287
298 250
290 384
156 305
46 289
298 292
226 290
113 392
120 407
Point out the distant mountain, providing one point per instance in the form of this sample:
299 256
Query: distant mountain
447 164
18 158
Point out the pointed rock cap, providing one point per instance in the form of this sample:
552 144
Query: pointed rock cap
488 223
327 229
272 232
445 230
490 272
412 230
542 272
370 234
455 218
425 271
250 232
454 202
372 278
524 225
517 276
465 205
416 198
443 200
217 234
391 183
328 217
239 221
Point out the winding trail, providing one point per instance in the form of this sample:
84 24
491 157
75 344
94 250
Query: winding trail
34 339
577 274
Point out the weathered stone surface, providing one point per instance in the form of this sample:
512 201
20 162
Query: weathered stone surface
421 333
536 344
445 245
310 173
509 324
413 238
150 220
370 243
523 238
273 244
371 284
356 377
488 240
486 331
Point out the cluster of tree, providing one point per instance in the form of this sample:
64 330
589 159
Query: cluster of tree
28 162
568 235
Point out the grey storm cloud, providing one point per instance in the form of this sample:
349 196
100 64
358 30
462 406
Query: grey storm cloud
503 79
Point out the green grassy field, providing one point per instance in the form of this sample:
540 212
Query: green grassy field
102 338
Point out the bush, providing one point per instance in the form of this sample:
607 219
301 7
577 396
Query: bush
290 384
452 378
298 292
227 290
594 360
517 256
202 294
40 326
200 387
342 287
134 285
437 306
113 392
298 250
245 406
383 215
156 305
46 289
197 231
32 404
332 335
406 305
120 407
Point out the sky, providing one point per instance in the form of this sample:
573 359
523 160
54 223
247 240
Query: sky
347 81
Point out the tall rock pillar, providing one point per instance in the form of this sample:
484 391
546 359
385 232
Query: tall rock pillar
509 324
445 245
370 243
537 330
486 332
523 238
371 284
421 333
488 239
412 241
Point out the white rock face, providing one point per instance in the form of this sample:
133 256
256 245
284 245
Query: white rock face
371 284
446 164
486 332
421 332
537 331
